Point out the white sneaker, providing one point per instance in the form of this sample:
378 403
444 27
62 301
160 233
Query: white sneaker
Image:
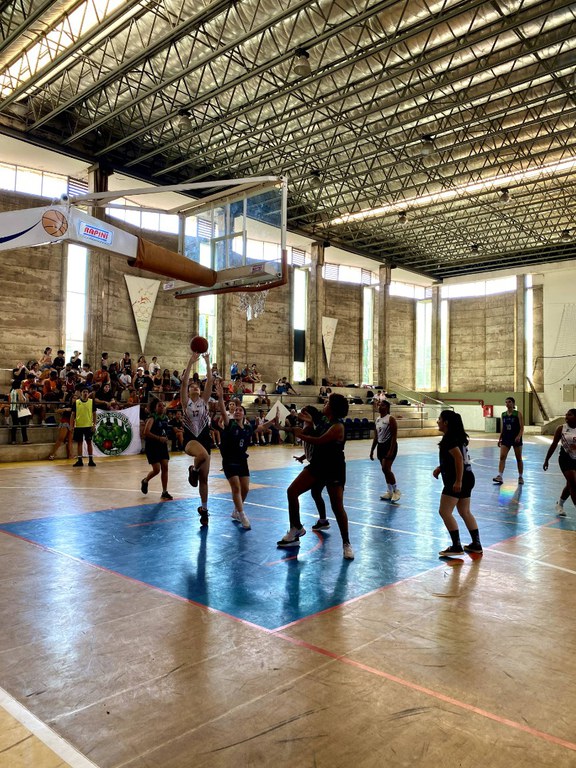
244 520
236 516
386 496
560 511
292 537
348 552
396 495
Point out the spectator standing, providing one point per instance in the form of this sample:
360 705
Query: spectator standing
19 412
75 360
83 423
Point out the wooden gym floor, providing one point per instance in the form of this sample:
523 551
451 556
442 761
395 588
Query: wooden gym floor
130 638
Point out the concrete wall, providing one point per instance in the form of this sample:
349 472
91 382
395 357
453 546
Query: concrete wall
344 302
482 343
401 342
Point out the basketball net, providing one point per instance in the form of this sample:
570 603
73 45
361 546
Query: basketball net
253 303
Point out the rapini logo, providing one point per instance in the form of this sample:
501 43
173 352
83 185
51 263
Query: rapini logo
113 433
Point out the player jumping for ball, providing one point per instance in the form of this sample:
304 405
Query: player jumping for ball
197 441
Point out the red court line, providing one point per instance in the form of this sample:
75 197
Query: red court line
434 694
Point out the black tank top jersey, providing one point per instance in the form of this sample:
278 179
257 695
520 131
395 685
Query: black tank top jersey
235 442
328 455
159 426
447 463
510 424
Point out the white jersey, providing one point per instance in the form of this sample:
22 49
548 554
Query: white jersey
383 431
568 440
197 416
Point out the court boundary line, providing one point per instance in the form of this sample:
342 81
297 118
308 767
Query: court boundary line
43 732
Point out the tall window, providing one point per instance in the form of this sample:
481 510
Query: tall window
207 325
444 348
423 344
76 281
299 323
367 335
529 325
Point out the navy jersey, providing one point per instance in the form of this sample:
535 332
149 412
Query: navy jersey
235 442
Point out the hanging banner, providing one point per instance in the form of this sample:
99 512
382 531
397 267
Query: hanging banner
142 292
328 332
117 432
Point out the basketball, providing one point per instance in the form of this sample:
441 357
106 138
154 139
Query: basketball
55 223
199 344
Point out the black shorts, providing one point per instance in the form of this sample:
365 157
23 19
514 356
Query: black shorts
383 450
510 441
156 453
566 463
203 438
235 468
83 433
468 482
333 475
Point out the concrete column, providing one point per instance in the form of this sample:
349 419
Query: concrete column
314 347
96 312
384 274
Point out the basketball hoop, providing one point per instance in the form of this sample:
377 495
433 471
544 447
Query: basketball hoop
253 303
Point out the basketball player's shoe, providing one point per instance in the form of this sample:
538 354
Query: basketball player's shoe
386 496
292 537
396 495
473 549
203 516
348 552
321 524
454 550
498 480
560 511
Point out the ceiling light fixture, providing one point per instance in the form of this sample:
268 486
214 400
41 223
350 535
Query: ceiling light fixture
315 179
488 185
426 145
402 217
301 66
566 235
183 120
504 195
475 248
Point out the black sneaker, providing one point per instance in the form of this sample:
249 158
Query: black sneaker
78 463
166 496
454 550
91 463
473 549
321 524
193 476
203 515
144 486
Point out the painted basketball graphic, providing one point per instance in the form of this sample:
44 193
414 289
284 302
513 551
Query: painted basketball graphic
55 223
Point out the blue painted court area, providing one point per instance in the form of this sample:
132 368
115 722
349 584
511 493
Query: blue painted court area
242 573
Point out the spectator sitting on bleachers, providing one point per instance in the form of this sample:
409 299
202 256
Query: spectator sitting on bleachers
262 396
290 422
215 372
34 397
264 429
177 427
126 362
283 387
101 376
103 396
46 359
59 361
75 360
175 380
82 372
234 370
255 374
167 385
20 373
154 367
323 394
